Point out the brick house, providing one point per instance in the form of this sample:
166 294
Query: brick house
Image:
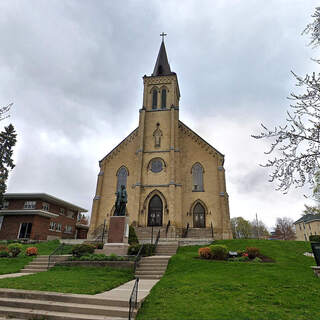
40 216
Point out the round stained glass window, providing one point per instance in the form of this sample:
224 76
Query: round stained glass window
156 165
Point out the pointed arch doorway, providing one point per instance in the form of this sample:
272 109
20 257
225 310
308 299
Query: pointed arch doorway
199 216
155 211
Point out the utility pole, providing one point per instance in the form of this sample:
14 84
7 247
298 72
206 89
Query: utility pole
258 233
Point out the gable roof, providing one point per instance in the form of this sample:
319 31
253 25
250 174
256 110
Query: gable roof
308 218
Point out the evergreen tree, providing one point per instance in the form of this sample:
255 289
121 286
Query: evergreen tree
7 142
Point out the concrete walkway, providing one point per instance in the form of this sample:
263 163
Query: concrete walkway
123 292
13 275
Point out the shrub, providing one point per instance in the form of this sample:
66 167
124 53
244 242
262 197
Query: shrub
4 248
4 254
257 259
314 238
99 245
252 252
133 239
83 249
148 249
204 253
14 249
219 251
32 251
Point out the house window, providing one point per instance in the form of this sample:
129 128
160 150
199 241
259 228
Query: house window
122 178
29 205
52 226
45 206
300 226
304 226
154 98
309 227
1 221
197 177
70 214
61 210
68 229
58 227
25 230
163 98
5 205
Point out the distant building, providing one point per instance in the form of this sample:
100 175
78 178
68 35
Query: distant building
307 225
39 216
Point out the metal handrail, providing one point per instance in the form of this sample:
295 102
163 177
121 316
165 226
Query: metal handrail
212 230
186 231
167 229
133 299
156 242
54 252
137 259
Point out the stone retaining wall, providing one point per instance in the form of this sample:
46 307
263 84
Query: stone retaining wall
114 264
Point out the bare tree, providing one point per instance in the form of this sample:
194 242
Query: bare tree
258 229
284 228
4 111
297 143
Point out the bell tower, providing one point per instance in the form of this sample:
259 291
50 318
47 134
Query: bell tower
158 137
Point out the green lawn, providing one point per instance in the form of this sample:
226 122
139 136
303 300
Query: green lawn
12 265
202 289
84 280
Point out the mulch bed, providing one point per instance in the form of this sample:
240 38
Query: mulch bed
264 259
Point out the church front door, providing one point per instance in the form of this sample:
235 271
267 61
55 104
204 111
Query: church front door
155 211
199 216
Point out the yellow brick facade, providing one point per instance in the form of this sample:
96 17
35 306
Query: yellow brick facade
306 229
178 149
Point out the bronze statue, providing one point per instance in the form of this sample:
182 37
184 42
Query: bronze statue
121 202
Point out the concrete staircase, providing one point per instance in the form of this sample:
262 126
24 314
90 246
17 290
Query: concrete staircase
40 263
200 233
144 233
154 267
22 304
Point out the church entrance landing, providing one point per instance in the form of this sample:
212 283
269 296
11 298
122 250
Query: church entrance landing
155 211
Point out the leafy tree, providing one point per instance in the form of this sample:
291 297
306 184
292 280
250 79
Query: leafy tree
7 142
297 144
258 229
284 228
241 228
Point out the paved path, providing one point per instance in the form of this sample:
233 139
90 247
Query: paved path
123 292
13 275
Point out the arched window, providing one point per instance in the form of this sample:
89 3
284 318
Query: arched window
122 175
154 98
197 177
163 98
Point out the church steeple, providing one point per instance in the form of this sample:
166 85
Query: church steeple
162 67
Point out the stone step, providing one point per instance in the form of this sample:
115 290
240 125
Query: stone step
61 297
154 262
165 254
166 251
138 273
148 276
36 266
151 269
25 313
152 265
36 263
72 308
27 270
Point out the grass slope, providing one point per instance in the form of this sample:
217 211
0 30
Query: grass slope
84 280
202 289
12 265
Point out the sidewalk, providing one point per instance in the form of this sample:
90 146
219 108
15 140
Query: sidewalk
14 275
123 292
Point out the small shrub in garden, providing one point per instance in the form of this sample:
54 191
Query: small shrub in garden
252 252
4 254
99 245
4 248
14 249
204 253
32 251
80 250
133 239
148 249
257 259
314 238
219 251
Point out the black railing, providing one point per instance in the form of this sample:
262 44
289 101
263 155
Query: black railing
103 231
156 242
167 228
55 252
212 230
133 299
137 259
185 233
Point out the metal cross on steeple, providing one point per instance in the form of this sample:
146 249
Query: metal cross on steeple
163 35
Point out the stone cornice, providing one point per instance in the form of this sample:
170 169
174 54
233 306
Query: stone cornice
196 138
121 145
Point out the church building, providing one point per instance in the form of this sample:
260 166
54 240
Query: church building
173 177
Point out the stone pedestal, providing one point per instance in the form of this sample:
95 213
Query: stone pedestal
316 270
118 235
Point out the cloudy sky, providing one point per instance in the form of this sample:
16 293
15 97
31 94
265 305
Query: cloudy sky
73 70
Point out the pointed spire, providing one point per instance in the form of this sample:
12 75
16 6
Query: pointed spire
162 67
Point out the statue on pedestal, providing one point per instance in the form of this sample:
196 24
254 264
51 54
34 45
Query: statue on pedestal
121 202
